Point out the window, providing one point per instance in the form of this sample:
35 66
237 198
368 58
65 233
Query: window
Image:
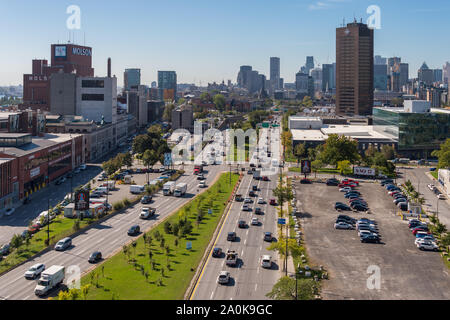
92 84
92 97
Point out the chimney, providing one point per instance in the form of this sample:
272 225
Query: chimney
109 67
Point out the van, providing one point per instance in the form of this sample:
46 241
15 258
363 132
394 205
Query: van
103 190
63 244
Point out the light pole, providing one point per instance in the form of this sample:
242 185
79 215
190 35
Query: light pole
48 221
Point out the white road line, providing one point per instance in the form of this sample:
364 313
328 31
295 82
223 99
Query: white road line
256 287
212 293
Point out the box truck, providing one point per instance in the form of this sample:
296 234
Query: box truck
50 279
168 188
180 190
137 189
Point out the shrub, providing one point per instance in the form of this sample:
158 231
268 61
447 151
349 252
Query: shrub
126 202
167 227
118 206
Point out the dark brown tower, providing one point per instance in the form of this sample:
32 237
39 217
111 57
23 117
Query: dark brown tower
109 67
354 70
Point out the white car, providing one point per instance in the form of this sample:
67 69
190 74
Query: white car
266 261
343 225
431 187
202 184
424 239
35 271
245 208
248 200
427 245
224 277
261 201
9 212
255 222
441 196
345 189
364 233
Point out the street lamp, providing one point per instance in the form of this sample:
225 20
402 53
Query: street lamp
48 221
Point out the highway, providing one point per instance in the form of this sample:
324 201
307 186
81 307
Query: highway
107 237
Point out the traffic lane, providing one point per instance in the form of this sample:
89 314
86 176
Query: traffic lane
106 237
406 272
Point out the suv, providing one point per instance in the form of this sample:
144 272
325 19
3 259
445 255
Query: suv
134 230
224 277
63 244
35 271
231 236
268 236
95 257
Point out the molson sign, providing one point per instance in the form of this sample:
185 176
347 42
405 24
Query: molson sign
81 51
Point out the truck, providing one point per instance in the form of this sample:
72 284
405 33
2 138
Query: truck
180 190
168 188
198 169
147 213
50 279
363 171
111 185
257 175
135 189
231 258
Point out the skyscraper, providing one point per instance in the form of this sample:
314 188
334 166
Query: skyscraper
328 77
425 74
167 82
354 69
309 64
404 74
275 73
379 60
380 77
131 79
446 73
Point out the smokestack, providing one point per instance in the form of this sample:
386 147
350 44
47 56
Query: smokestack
109 67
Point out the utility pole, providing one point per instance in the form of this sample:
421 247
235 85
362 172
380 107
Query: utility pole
48 221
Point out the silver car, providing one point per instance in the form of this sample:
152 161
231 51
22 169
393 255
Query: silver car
35 271
224 277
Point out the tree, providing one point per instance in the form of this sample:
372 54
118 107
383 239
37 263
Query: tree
443 155
299 151
16 241
219 102
307 102
205 97
316 165
339 148
284 289
388 152
167 115
127 160
344 167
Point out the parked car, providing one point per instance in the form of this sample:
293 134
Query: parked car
345 189
305 181
419 228
9 211
4 250
343 225
332 182
342 206
35 271
370 238
427 245
95 257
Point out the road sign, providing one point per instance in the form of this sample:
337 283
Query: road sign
282 221
306 166
209 211
167 159
188 245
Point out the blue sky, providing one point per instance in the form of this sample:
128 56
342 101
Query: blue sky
207 40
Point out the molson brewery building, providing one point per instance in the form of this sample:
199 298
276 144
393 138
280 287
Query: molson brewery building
65 58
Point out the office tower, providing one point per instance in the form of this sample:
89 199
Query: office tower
380 77
437 75
109 67
154 84
404 74
446 73
167 82
309 64
244 77
304 85
380 60
131 79
183 118
275 73
393 69
425 74
281 84
316 74
354 70
328 77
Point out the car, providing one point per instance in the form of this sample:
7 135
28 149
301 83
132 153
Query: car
428 237
345 189
364 232
440 196
217 252
359 207
266 261
305 181
242 224
252 193
367 221
239 198
261 201
341 206
350 194
255 222
370 238
134 230
202 184
393 192
258 210
354 196
403 206
63 244
146 199
249 172
9 211
367 227
201 177
431 187
350 219
224 277
343 225
428 246
268 236
246 207
95 257
413 223
248 200
419 228
422 234
35 271
357 201
332 182
399 200
255 188
34 228
273 202
95 195
350 181
432 169
4 250
83 167
265 178
231 236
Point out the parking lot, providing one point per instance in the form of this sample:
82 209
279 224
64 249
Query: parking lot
405 271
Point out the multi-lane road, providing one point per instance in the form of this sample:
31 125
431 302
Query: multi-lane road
107 237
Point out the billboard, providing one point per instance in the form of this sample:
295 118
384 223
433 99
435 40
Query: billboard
306 166
363 171
82 200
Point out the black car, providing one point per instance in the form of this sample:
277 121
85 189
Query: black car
386 181
95 257
332 182
231 236
268 236
249 172
345 217
371 238
255 188
134 230
242 224
360 207
217 252
252 193
146 199
258 211
341 206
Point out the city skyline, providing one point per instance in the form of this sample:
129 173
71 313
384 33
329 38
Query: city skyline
184 48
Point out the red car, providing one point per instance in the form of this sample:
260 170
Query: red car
265 178
34 228
424 229
342 185
273 202
350 180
